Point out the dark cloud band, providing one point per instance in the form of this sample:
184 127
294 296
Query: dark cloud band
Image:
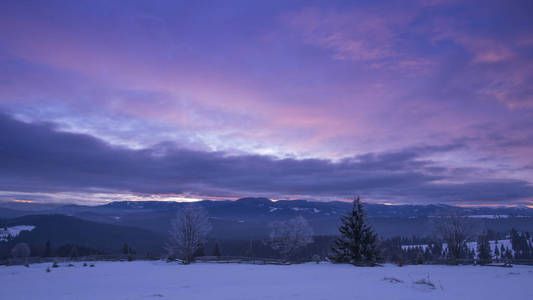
35 157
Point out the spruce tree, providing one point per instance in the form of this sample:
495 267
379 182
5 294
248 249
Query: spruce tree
508 253
250 251
483 250
436 251
358 242
73 251
47 249
217 252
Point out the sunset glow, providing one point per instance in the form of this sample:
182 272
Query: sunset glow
409 102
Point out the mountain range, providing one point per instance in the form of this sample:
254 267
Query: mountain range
146 223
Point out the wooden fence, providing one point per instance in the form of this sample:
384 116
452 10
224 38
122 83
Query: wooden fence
226 260
130 257
240 260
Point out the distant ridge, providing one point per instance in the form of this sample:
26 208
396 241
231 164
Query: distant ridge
250 217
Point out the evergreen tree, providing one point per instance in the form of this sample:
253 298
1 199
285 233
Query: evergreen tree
496 252
47 249
73 251
427 253
358 242
436 251
217 252
483 250
508 253
250 251
521 245
125 249
471 253
514 239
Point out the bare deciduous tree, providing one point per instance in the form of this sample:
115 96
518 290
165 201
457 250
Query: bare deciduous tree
21 250
187 233
287 236
454 230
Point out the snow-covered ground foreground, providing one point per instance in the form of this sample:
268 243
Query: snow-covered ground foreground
146 280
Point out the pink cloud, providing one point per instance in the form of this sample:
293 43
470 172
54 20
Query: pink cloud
310 114
358 35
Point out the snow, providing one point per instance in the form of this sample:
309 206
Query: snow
406 247
156 279
489 216
13 231
306 209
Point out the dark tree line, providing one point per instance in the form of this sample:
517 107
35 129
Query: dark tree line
522 244
410 251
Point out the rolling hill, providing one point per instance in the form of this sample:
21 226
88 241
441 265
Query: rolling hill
61 230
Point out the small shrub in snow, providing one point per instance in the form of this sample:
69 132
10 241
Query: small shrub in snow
21 250
48 270
316 258
427 282
91 265
70 265
27 265
55 265
419 259
393 280
400 262
85 264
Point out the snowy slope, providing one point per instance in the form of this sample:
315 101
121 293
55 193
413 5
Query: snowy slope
154 280
13 231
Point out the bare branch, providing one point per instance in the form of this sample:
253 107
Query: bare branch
455 231
187 233
287 236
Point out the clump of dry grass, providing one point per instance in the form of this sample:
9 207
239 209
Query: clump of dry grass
393 280
427 282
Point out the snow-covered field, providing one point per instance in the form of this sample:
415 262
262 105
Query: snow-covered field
146 280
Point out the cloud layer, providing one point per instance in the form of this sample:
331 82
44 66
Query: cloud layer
38 158
172 93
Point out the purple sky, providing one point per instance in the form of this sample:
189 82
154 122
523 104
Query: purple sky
426 101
